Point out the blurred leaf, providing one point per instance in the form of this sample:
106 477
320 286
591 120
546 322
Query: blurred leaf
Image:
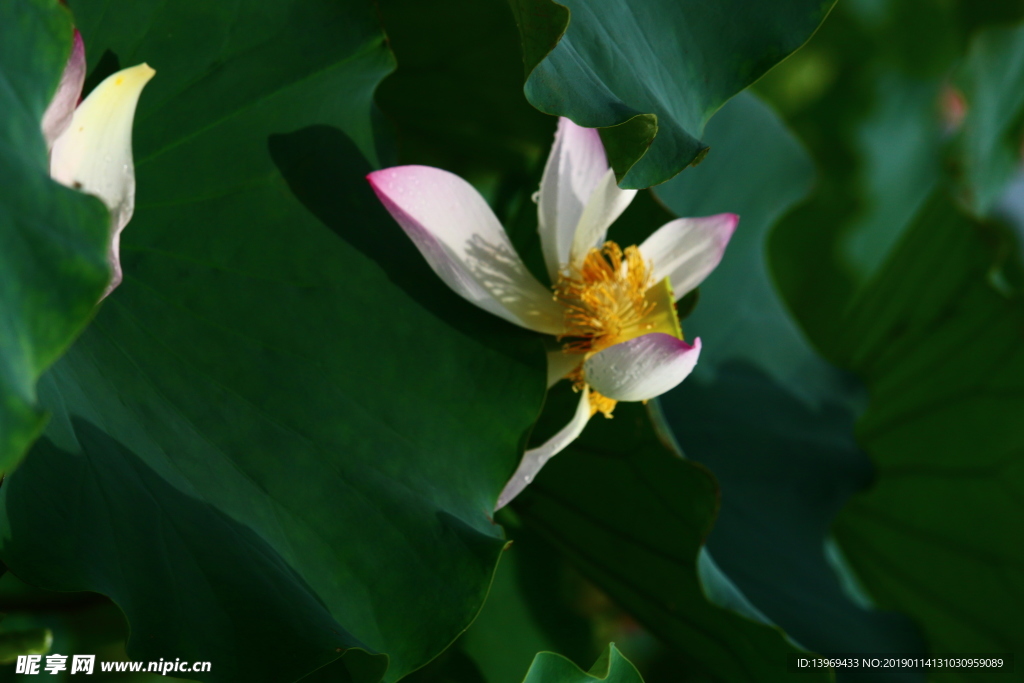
671 63
505 637
938 344
80 623
877 134
283 436
34 641
612 667
53 240
893 282
764 412
991 80
633 517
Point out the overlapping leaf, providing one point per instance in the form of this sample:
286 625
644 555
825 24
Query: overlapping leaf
653 72
772 420
632 517
930 321
944 436
282 437
52 240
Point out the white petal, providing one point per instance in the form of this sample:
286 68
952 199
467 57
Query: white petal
686 250
573 171
62 107
605 205
534 459
94 154
462 240
641 368
561 364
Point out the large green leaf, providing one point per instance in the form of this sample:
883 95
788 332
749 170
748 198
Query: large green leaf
763 411
52 239
282 437
939 346
612 667
930 321
456 98
653 72
633 517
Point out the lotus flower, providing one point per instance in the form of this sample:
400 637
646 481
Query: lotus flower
610 310
91 144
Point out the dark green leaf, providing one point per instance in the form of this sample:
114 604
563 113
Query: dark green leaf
53 240
508 633
893 282
671 63
772 420
633 517
456 98
283 436
938 344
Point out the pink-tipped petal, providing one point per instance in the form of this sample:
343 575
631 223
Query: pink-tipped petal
641 368
462 240
574 169
686 250
535 458
58 115
605 205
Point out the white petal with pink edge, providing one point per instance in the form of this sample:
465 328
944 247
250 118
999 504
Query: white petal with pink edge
605 205
462 240
641 368
58 115
94 153
575 167
686 250
535 458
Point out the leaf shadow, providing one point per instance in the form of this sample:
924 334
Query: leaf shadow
110 500
785 470
326 171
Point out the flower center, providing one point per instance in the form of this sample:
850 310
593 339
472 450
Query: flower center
609 299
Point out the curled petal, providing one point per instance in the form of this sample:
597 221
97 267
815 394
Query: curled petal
574 169
94 153
641 368
686 250
462 240
606 204
535 458
62 107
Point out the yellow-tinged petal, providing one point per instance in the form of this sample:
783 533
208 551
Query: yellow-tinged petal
663 317
94 153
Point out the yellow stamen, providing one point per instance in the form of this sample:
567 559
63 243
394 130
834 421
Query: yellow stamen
599 403
610 299
603 297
